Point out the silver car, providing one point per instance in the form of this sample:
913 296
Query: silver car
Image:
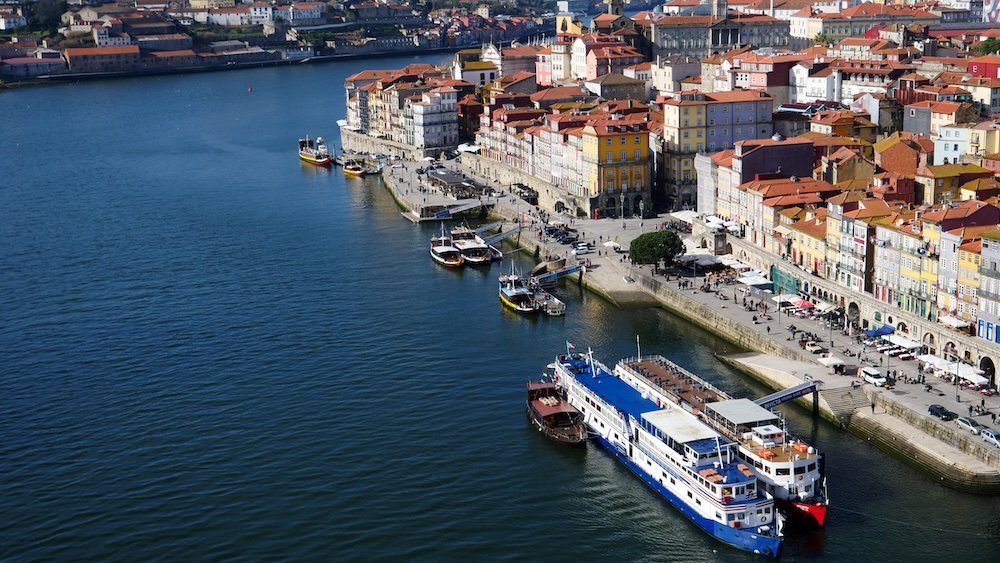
990 436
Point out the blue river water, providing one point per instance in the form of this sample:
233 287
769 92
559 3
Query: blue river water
212 351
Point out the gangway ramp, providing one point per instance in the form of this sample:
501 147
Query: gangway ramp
551 277
488 227
501 236
457 209
790 394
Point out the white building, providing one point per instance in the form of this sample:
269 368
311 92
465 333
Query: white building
814 81
952 143
435 118
12 20
104 38
232 17
261 12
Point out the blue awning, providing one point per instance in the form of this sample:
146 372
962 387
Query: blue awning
881 331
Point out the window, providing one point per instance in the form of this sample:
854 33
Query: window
622 140
638 139
608 142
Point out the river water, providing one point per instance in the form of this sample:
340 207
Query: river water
210 350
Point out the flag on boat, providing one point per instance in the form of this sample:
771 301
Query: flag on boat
570 345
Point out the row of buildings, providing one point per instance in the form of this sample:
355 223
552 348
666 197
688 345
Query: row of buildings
866 165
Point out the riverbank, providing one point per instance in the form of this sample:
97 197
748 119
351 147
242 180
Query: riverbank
946 453
76 76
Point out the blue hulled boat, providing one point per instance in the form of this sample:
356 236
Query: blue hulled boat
692 466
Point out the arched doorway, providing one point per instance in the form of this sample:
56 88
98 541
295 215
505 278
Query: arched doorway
853 312
930 344
989 370
901 327
610 207
950 350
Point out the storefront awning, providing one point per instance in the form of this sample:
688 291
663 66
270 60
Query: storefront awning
783 230
830 361
953 322
903 342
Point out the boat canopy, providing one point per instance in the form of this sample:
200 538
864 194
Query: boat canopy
741 411
549 410
679 425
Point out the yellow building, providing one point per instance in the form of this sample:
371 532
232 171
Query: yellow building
969 257
942 183
809 242
615 168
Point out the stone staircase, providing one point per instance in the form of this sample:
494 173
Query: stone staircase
844 402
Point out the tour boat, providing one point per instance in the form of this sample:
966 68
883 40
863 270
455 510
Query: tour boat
474 250
515 294
560 421
354 169
693 467
444 252
791 470
314 152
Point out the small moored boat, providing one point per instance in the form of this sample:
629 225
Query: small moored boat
354 169
474 250
443 251
515 294
560 421
314 152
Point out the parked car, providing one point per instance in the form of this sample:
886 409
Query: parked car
814 347
941 412
990 436
872 375
970 424
581 250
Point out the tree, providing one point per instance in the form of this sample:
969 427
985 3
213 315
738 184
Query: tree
823 39
45 15
988 47
651 248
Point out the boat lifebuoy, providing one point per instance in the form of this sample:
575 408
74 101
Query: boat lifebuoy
800 477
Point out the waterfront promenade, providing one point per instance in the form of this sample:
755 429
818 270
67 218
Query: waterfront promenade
896 418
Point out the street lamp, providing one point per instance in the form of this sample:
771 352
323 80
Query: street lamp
621 199
829 321
641 212
957 399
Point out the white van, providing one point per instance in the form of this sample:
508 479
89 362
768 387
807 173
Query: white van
872 375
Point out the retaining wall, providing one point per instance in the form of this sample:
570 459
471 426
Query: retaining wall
359 142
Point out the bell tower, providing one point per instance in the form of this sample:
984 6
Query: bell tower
719 8
616 7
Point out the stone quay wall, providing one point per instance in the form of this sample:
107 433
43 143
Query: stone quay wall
359 142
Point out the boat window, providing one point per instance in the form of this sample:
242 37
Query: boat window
800 470
672 481
812 467
690 494
782 471
730 517
697 501
807 488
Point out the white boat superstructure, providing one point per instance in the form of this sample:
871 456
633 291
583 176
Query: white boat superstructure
474 250
790 470
691 465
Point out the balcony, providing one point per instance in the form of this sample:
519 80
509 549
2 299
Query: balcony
989 272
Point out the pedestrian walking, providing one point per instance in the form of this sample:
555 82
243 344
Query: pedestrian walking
982 402
769 329
873 408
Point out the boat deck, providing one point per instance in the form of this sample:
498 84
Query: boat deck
673 381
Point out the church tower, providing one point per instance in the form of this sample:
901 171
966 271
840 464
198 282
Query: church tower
616 7
719 8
